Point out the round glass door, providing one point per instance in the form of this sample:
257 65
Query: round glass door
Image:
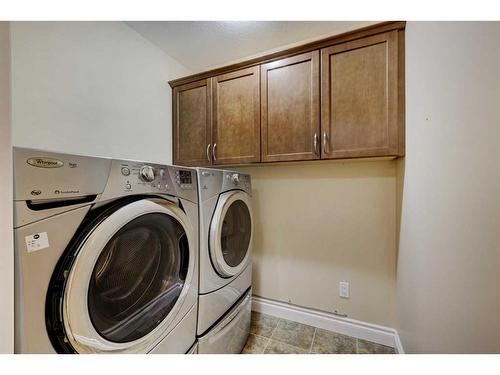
231 233
138 277
131 275
235 233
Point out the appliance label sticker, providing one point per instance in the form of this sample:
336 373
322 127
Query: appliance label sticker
37 241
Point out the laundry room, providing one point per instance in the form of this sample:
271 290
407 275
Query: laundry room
217 185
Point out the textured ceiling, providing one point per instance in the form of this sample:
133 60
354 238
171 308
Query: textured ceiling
200 45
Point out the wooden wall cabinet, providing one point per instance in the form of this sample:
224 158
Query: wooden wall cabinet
192 123
359 98
340 97
236 117
290 108
217 120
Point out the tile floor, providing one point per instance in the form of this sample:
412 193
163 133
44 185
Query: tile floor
272 335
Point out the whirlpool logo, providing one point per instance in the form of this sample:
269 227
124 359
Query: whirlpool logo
45 162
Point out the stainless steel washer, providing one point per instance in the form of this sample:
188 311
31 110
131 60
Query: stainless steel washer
106 255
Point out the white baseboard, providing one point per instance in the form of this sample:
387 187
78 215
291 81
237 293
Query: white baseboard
355 328
398 345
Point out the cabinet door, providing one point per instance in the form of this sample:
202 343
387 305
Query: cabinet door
290 108
236 119
359 97
192 127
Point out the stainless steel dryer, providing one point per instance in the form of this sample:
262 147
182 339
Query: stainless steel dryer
106 255
226 231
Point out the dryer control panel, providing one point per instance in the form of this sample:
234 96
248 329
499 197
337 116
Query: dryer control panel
216 181
234 180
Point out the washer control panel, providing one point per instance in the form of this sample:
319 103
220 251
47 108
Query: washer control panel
131 177
138 177
184 178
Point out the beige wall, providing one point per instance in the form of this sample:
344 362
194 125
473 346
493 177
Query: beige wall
6 238
94 88
323 222
449 254
319 223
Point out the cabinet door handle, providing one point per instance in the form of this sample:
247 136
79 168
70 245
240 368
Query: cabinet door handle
325 141
315 143
208 153
213 151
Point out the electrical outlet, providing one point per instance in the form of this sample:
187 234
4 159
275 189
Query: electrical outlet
344 291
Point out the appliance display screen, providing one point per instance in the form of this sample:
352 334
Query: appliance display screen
185 177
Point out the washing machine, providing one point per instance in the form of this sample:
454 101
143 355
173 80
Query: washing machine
106 255
226 231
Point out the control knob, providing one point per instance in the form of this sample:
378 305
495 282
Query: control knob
147 173
235 178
